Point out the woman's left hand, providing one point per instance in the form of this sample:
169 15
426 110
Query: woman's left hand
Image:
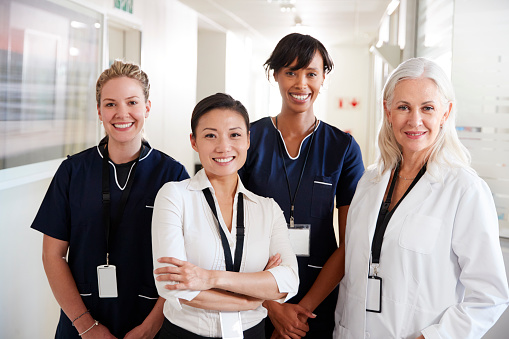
186 275
274 261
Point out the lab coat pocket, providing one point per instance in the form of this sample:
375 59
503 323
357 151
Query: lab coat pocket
322 197
420 233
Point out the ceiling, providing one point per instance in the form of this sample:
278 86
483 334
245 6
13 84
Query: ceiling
334 22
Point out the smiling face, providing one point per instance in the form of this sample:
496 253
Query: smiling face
221 140
299 88
123 110
416 113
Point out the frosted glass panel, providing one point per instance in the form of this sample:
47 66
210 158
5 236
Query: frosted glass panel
480 70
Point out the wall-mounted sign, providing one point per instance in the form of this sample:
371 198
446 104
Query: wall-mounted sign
125 5
351 102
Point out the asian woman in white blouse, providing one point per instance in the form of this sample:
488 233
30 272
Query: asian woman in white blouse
203 300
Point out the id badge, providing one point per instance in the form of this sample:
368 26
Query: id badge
374 295
107 281
231 325
299 238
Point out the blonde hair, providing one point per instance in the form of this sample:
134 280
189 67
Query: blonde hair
118 69
447 150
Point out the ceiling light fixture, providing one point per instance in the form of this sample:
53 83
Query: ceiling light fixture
283 2
287 8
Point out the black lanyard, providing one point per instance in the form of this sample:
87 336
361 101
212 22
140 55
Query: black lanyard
230 266
292 199
384 215
106 198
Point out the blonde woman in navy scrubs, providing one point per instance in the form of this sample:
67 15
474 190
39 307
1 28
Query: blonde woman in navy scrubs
96 219
304 164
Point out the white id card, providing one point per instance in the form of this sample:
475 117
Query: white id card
231 325
107 281
299 237
374 295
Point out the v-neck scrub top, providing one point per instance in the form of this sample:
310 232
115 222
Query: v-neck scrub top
333 168
72 211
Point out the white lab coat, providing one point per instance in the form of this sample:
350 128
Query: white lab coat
441 263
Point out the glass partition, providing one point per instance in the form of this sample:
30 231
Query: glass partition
480 69
48 69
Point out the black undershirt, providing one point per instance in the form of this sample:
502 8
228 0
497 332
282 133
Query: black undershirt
123 172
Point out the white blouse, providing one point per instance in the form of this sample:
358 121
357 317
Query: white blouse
184 227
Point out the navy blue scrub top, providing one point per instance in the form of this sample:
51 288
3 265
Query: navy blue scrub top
72 211
333 168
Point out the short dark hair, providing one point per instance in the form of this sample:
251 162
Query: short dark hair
298 47
221 101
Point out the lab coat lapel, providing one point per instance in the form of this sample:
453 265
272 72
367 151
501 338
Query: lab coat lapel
367 208
373 203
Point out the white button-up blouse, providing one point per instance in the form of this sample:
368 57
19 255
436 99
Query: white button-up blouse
184 227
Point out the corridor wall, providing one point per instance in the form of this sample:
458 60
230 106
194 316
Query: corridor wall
27 306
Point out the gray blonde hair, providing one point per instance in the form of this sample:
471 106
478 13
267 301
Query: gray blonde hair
447 150
118 69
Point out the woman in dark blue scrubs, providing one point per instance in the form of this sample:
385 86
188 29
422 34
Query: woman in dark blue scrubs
96 219
304 164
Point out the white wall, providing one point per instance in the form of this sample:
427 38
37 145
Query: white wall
27 306
349 81
211 76
169 56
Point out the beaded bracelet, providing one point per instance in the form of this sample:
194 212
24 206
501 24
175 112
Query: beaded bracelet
91 327
81 315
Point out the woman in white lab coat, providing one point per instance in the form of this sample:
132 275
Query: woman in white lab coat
440 264
423 257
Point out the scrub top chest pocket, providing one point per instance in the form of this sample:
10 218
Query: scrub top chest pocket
322 197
